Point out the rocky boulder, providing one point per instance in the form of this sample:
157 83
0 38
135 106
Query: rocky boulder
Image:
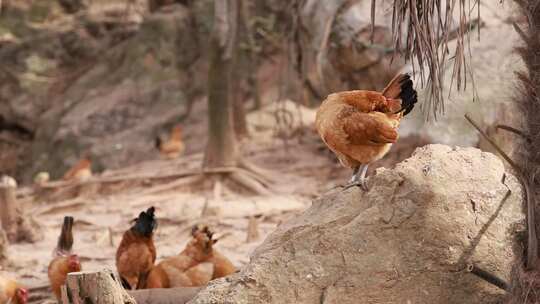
407 240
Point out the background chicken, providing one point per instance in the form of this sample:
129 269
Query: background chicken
64 261
82 170
196 265
361 126
136 253
174 146
12 292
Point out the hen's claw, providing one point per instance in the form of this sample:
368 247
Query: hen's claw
358 178
362 183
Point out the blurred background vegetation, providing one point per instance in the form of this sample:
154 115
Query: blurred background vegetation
106 77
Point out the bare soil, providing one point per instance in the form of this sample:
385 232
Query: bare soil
103 209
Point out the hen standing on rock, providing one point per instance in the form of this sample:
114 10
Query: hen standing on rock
136 253
360 126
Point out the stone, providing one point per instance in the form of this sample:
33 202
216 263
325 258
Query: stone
407 240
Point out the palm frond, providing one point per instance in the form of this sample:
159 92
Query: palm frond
422 30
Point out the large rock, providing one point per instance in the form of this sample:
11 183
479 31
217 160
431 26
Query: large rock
407 240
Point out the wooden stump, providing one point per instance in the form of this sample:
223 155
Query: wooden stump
17 226
102 287
97 287
3 246
8 207
252 230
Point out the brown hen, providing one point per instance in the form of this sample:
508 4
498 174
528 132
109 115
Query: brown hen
64 261
136 253
360 126
196 265
12 292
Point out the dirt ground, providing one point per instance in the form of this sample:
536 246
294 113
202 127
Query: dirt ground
102 210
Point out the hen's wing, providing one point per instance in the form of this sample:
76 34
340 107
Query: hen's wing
223 266
201 274
137 259
364 101
368 128
157 278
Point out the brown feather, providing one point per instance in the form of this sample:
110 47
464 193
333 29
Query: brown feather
196 265
158 278
368 129
81 170
360 126
65 240
58 270
393 88
135 257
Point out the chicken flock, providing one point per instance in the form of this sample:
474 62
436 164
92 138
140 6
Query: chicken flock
358 126
196 265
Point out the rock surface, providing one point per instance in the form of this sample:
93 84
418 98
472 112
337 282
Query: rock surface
407 240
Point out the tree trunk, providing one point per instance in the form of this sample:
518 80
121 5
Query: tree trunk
526 271
239 110
18 227
245 71
221 150
3 247
252 230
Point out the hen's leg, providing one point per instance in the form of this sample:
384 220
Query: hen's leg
362 180
358 178
354 173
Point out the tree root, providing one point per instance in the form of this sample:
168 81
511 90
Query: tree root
249 183
246 175
262 174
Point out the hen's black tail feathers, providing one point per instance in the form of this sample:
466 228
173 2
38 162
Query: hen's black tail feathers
145 223
407 95
65 240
